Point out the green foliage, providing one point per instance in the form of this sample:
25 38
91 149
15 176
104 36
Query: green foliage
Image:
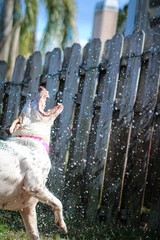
122 15
28 28
61 22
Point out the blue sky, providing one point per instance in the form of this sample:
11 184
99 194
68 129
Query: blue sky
84 19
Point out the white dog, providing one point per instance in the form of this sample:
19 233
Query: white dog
25 164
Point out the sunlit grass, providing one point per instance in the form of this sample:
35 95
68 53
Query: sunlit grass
12 228
7 234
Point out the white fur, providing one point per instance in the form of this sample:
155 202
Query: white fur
24 167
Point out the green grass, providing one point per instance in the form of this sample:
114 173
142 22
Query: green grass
11 228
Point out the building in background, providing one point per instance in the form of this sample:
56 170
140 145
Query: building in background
105 20
142 15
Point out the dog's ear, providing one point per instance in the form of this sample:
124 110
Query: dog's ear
7 130
13 127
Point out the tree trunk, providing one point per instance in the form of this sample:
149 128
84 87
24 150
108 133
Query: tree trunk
6 24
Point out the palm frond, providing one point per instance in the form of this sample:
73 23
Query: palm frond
28 27
60 23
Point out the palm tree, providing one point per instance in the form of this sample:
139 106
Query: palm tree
17 30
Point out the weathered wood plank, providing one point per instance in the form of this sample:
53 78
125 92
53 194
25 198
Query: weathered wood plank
88 95
55 127
59 95
13 107
70 90
45 68
32 76
52 83
78 100
93 133
152 196
34 73
120 131
3 69
77 163
52 86
110 85
140 139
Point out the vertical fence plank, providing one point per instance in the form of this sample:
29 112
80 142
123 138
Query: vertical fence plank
58 98
152 196
74 199
88 95
61 145
141 138
3 69
78 99
90 174
45 68
121 128
13 105
59 94
52 85
53 81
110 85
34 74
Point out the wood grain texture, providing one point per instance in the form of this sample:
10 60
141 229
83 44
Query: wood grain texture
121 127
70 90
77 166
103 129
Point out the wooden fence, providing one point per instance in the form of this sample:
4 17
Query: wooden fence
105 145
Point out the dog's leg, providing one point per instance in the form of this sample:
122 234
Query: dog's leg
30 221
45 196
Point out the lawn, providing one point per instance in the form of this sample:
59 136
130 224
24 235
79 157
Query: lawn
11 228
